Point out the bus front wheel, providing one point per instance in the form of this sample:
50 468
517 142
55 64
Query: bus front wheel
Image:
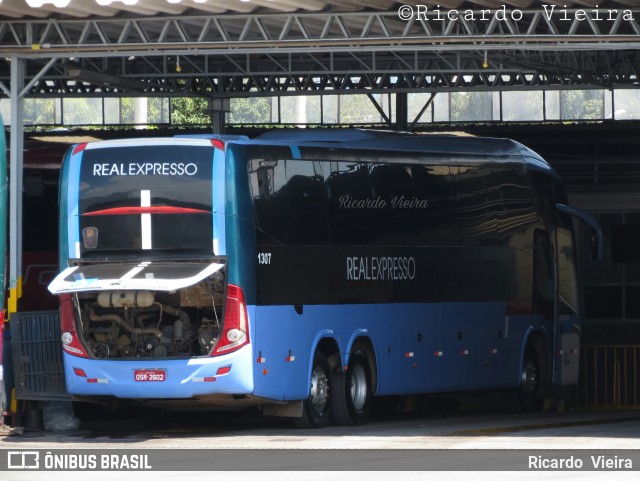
315 410
530 383
527 397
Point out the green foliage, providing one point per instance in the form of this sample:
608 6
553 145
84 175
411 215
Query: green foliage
471 106
252 110
358 109
190 111
41 111
311 109
332 108
522 106
581 104
128 110
82 111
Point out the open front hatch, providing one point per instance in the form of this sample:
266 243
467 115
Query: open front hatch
151 276
142 310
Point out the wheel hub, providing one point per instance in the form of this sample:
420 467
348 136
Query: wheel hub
319 389
358 386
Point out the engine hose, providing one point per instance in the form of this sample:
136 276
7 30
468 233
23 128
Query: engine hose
177 312
116 318
173 311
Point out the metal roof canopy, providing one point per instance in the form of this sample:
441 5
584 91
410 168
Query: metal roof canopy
283 47
109 51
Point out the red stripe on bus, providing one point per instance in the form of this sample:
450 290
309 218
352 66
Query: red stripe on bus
157 209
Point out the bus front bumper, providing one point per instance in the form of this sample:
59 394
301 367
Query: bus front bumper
160 378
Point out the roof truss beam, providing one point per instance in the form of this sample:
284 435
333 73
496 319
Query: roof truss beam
292 53
202 32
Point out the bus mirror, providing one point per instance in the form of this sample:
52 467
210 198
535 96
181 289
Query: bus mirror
595 231
595 246
265 176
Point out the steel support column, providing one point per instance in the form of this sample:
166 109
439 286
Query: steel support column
402 113
17 93
16 145
218 108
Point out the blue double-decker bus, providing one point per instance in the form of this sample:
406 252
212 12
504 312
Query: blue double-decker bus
306 273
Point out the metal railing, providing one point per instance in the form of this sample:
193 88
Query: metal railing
37 356
609 377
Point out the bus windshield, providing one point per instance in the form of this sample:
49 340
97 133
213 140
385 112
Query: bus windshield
116 207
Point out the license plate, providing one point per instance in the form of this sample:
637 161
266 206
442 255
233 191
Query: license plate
150 375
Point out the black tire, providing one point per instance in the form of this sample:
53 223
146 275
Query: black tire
315 409
526 398
339 410
352 395
528 394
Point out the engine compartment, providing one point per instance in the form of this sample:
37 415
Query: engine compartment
128 324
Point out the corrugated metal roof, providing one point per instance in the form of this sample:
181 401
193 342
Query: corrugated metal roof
88 8
111 8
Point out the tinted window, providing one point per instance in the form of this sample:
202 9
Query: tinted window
494 199
387 203
267 178
350 203
548 192
306 210
171 182
289 203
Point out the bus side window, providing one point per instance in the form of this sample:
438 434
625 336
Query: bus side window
350 208
478 203
435 220
543 267
305 203
264 176
391 187
543 276
270 200
567 283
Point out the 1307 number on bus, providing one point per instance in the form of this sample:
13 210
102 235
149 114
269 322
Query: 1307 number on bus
264 258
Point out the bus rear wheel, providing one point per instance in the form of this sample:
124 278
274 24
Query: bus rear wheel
351 397
315 409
